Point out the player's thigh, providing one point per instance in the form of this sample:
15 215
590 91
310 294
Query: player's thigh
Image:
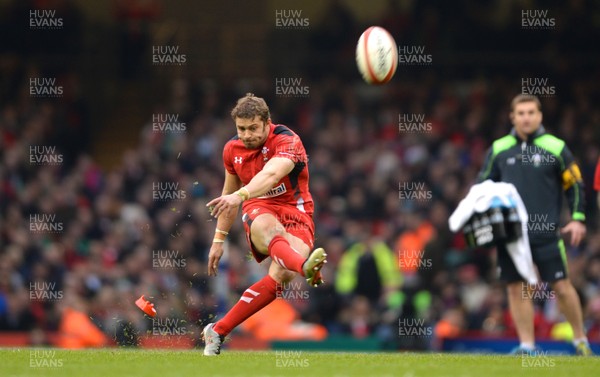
297 227
262 230
262 234
551 261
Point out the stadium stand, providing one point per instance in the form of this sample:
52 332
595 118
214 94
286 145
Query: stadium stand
109 239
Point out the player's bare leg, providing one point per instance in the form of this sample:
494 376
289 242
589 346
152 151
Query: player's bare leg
570 306
521 310
289 253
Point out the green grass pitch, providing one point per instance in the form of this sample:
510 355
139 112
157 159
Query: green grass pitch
167 363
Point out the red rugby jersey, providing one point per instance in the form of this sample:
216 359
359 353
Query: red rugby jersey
281 142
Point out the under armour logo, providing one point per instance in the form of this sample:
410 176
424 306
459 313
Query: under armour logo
237 160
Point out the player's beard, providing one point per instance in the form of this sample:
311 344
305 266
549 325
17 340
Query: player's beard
252 144
257 142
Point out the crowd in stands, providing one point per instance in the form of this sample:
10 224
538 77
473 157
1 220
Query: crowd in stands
76 238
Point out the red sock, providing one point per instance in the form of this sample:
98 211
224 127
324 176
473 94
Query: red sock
284 255
253 299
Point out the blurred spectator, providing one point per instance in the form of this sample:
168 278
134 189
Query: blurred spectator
411 245
77 331
451 325
359 319
368 269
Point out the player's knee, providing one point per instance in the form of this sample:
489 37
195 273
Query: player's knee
287 276
280 274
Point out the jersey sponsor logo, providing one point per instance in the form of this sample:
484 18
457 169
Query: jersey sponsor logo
275 191
237 160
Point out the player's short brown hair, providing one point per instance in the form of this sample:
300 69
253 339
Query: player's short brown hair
250 106
525 98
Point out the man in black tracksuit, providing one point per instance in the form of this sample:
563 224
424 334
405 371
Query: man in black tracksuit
541 167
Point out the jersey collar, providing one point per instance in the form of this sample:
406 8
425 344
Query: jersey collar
539 132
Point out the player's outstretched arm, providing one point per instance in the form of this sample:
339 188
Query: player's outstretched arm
224 223
272 172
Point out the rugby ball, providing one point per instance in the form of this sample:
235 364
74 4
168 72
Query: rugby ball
376 55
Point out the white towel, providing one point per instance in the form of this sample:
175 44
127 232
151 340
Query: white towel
479 199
